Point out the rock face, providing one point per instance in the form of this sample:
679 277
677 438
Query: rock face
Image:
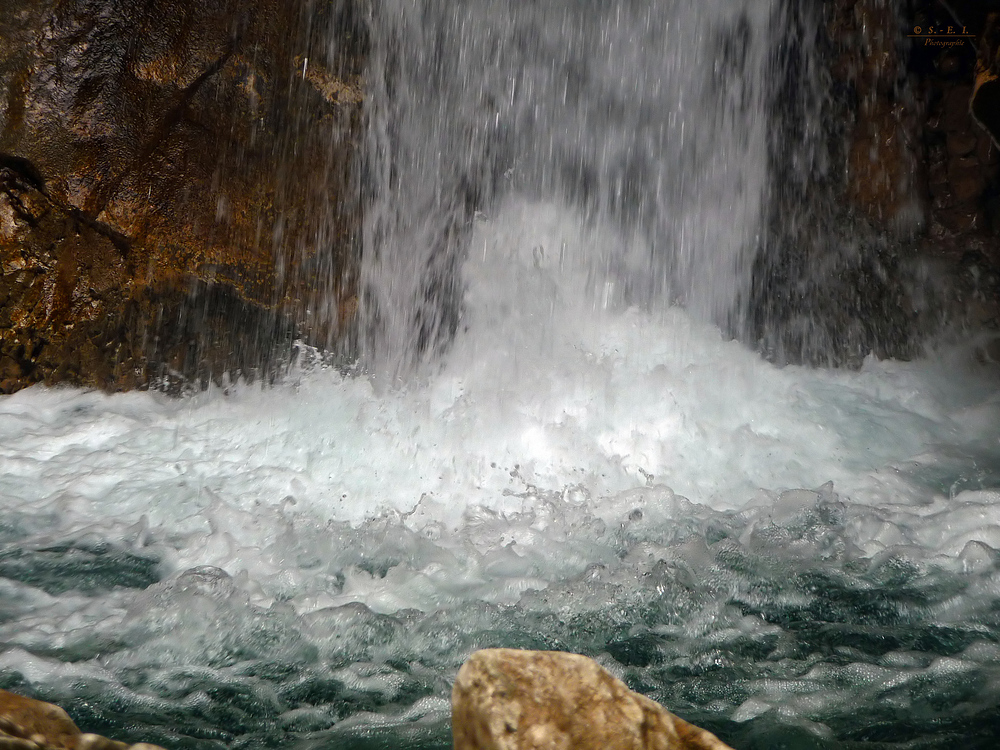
960 251
986 93
505 699
176 182
962 158
27 724
884 166
887 230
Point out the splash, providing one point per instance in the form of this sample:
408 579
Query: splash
652 117
789 555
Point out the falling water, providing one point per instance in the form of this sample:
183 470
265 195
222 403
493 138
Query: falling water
648 117
564 200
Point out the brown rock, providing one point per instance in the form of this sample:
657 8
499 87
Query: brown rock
152 149
961 219
31 720
986 149
949 64
966 178
505 699
883 168
986 93
961 144
937 181
935 123
97 742
941 194
955 116
28 724
16 743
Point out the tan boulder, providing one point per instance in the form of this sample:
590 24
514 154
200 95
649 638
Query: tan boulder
27 724
26 718
506 699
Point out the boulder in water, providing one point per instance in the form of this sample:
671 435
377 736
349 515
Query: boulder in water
27 719
506 699
28 724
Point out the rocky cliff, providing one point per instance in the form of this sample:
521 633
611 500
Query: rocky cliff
176 186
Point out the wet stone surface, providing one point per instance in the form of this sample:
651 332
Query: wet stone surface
174 186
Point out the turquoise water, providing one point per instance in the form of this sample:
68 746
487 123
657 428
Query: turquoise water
769 634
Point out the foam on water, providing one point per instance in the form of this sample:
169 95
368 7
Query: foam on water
777 553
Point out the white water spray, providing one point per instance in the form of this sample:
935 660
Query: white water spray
649 117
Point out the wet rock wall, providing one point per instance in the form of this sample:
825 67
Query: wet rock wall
176 186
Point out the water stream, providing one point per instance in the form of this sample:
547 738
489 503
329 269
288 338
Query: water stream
551 443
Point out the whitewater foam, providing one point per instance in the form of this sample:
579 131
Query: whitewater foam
574 474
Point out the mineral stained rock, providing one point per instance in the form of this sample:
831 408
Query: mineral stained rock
884 160
27 724
506 699
175 185
986 93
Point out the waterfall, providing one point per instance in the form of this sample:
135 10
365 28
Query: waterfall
651 118
571 206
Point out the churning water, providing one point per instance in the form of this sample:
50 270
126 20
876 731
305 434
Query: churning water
650 116
790 557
